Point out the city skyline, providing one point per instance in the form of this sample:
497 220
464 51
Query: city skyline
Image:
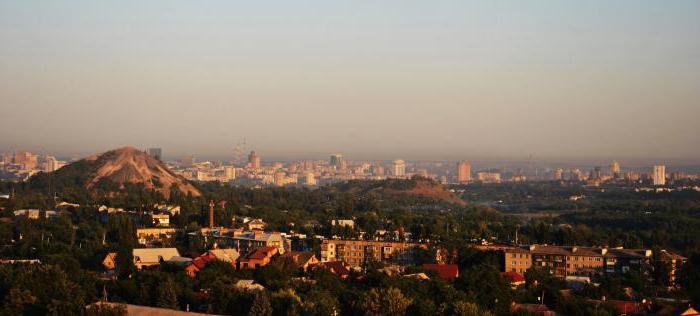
439 80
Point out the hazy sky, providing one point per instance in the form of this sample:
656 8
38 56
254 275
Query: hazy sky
370 79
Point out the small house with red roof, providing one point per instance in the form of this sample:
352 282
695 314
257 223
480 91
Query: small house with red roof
446 272
339 268
258 258
514 278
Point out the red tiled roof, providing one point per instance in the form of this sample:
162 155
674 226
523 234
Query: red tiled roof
514 277
262 253
337 267
201 261
625 307
445 271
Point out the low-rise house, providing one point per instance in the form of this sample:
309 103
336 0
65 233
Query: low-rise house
164 208
35 214
62 206
339 268
109 210
343 223
258 258
148 236
249 285
146 257
225 254
302 260
514 278
161 220
198 263
256 224
109 262
446 272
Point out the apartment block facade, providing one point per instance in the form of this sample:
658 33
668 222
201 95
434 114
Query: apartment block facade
356 252
564 261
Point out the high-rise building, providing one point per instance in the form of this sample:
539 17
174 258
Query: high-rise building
279 178
336 160
156 153
659 175
615 169
377 170
51 164
464 171
25 159
254 160
558 174
399 168
310 178
229 173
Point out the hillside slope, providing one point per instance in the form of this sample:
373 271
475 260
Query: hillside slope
116 168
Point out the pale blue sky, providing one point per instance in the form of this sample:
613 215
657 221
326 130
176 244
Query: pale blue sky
371 79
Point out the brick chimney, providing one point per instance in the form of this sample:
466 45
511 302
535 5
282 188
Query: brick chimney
211 213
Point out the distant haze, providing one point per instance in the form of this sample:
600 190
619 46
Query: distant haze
568 80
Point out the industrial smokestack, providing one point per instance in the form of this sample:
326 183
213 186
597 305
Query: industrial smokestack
211 213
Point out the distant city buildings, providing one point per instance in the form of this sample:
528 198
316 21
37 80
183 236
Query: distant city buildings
659 175
488 177
156 153
254 160
336 160
399 168
615 169
464 171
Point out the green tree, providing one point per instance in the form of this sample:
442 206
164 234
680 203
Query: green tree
285 302
124 261
321 303
462 308
385 302
167 295
261 305
485 284
16 300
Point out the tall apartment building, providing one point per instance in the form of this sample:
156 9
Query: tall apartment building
464 171
356 252
229 173
336 160
399 168
615 169
254 160
659 175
